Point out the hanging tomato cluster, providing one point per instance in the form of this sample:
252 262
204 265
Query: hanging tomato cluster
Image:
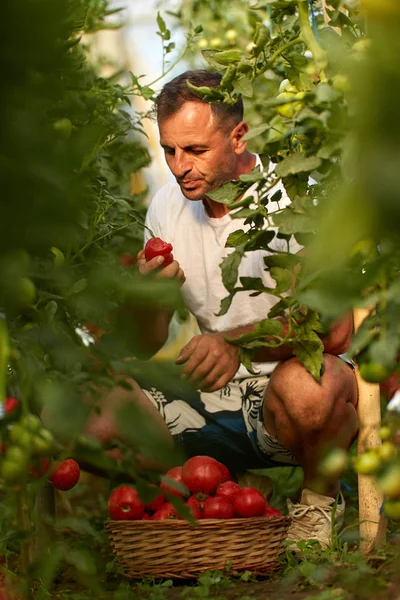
206 486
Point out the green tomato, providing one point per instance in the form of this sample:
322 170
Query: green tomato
334 463
389 482
63 127
367 463
291 108
341 82
286 86
21 437
387 451
14 465
231 35
215 42
392 509
43 442
203 43
374 372
24 293
385 433
31 422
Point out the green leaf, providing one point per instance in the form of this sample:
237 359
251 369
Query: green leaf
252 133
161 23
283 278
245 357
226 303
297 163
255 175
230 268
227 57
310 353
78 287
283 260
229 192
236 238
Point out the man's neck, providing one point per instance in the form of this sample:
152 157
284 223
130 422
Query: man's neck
246 164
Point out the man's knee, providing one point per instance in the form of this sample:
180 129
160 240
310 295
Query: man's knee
306 402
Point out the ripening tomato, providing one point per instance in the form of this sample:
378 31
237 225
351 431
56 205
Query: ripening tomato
166 511
249 502
203 474
227 489
124 503
157 247
174 475
218 507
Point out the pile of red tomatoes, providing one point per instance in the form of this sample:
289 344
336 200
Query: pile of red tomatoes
206 487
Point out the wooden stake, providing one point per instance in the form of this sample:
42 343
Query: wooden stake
369 498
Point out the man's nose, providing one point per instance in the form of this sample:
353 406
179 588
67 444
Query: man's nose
182 164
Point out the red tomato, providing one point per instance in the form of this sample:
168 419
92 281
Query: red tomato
146 517
124 503
270 513
203 474
227 489
248 502
166 511
157 247
154 504
126 259
217 507
390 386
10 404
38 468
174 474
196 507
66 475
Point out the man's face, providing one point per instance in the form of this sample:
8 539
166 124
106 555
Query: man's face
199 154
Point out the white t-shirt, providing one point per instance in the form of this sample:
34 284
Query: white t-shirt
199 246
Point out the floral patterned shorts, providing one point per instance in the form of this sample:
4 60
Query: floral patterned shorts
226 424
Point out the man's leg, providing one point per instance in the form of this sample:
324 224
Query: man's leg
308 417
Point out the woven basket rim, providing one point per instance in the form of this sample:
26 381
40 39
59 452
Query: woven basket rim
198 522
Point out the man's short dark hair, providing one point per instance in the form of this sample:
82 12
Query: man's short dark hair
176 93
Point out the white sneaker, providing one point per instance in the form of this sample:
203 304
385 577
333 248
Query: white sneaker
312 518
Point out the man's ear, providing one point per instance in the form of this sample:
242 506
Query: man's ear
237 134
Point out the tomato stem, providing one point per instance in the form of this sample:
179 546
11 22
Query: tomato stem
24 525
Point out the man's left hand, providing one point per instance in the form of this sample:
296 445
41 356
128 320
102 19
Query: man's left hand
210 362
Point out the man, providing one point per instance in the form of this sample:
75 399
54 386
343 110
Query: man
281 416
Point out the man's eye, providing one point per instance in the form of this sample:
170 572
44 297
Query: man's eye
195 151
169 151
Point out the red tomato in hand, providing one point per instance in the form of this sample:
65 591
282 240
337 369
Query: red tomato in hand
227 489
157 247
217 507
124 503
66 475
270 513
203 474
174 474
248 502
166 511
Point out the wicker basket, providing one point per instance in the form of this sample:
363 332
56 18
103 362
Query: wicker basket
178 549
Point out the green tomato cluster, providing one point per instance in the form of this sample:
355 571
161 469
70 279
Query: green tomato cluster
28 439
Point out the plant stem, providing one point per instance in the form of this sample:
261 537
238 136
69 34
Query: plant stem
24 526
308 36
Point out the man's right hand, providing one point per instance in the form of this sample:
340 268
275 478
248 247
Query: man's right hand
171 271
